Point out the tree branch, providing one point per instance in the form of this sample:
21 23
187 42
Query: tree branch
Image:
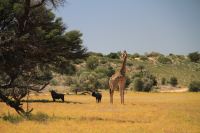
8 85
33 87
37 90
14 104
38 5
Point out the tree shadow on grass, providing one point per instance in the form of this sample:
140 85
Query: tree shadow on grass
42 117
49 101
38 117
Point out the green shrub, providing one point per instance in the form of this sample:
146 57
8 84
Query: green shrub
153 79
137 75
54 82
129 64
78 61
136 55
173 81
194 57
140 67
68 81
102 70
103 61
113 55
12 118
163 81
153 54
95 54
92 62
143 58
110 72
147 85
194 86
88 80
164 60
143 81
138 84
103 83
128 81
39 117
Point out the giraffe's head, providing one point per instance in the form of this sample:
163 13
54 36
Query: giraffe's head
124 54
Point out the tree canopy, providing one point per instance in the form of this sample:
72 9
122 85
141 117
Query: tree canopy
32 39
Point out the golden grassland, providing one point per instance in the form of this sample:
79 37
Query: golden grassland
142 113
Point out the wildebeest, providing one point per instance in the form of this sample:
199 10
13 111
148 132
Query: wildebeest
56 95
97 95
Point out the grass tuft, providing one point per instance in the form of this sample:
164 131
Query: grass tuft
12 118
39 117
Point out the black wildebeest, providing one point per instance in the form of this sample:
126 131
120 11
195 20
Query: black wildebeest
97 95
56 95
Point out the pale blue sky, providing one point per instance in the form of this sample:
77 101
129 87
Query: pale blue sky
165 26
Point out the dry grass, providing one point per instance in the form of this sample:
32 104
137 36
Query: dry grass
142 113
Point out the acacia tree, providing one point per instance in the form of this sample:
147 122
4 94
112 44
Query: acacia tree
32 39
194 57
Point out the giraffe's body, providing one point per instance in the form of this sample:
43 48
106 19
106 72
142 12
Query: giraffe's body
118 80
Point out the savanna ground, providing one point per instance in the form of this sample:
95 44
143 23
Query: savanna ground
142 113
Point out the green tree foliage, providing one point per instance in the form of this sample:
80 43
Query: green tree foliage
143 58
140 67
113 55
147 84
153 79
105 71
135 55
137 75
194 57
163 81
173 81
138 84
143 81
128 81
92 62
103 83
65 67
194 86
111 71
54 82
88 80
32 37
164 60
153 54
95 54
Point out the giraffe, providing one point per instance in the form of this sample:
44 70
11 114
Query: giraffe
118 79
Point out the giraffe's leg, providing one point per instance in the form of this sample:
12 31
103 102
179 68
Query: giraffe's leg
121 96
121 88
111 95
111 85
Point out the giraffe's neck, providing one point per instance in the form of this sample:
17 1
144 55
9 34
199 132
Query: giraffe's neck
123 67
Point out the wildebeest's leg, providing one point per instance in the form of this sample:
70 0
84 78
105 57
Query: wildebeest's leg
96 100
62 97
